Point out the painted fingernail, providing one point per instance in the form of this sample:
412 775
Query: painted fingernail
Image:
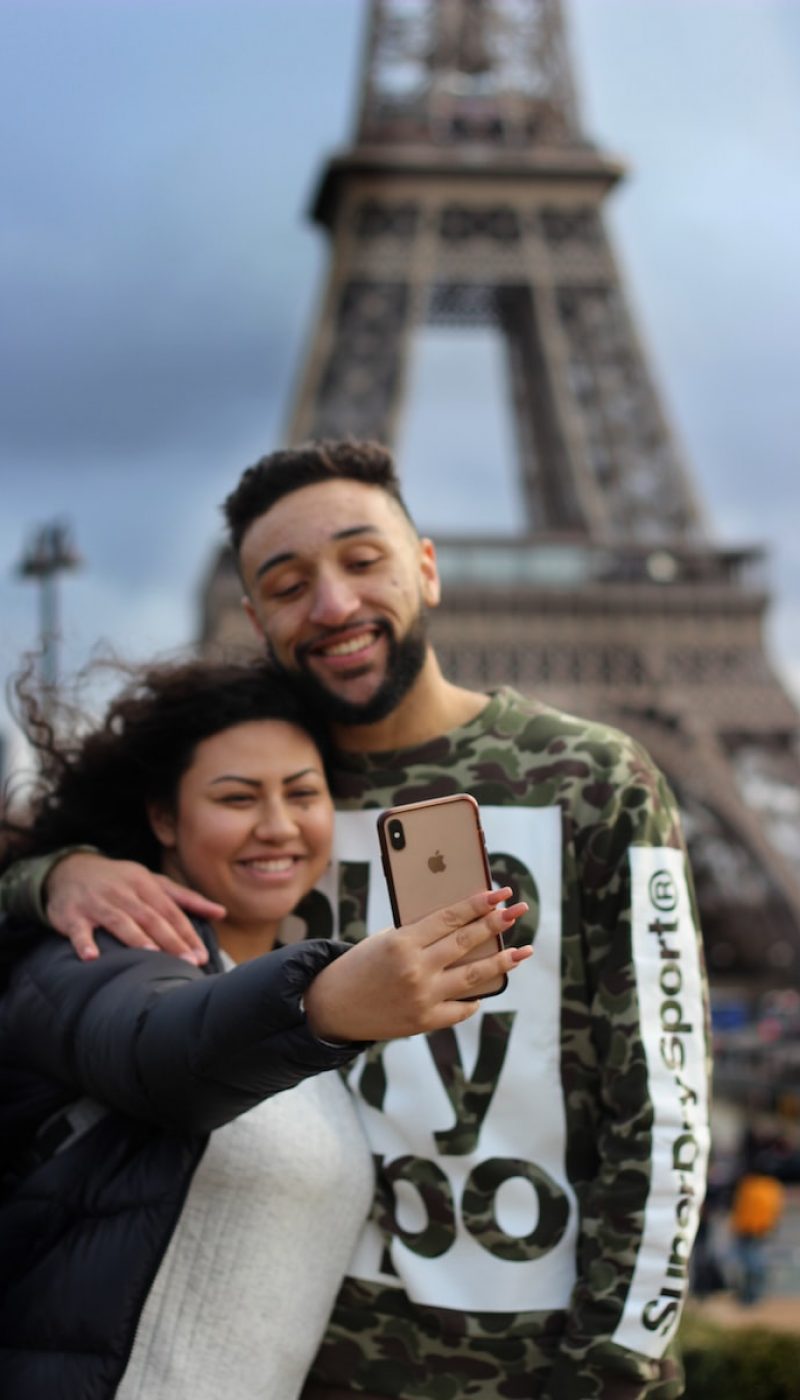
497 896
511 915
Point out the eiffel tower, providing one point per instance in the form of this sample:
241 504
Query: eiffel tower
472 198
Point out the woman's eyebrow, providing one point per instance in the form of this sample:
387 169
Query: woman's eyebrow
235 778
256 782
301 773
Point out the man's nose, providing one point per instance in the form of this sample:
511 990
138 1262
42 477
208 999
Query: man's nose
334 602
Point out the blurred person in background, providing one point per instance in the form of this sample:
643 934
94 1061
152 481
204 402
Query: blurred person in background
756 1210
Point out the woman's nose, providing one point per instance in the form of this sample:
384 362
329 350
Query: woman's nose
275 822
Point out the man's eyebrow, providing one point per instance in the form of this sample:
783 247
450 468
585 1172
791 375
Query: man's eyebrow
275 559
272 563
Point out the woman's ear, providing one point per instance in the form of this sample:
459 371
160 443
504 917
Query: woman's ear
162 823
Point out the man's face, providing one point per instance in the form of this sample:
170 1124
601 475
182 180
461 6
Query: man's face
337 583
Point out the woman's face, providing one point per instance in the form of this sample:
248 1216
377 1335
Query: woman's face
253 821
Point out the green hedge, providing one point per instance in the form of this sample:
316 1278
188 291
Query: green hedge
738 1363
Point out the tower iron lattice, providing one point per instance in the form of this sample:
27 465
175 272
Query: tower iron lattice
472 197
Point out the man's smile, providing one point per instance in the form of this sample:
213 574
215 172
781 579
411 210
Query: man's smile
355 644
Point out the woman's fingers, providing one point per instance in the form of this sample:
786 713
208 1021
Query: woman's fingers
464 940
405 981
453 917
482 976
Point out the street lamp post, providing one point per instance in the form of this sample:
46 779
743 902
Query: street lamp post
49 553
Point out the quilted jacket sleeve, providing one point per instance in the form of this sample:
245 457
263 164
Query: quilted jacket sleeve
149 1035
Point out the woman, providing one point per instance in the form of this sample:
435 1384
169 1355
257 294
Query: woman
166 1231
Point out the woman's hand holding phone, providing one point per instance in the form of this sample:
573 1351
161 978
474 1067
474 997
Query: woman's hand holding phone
411 980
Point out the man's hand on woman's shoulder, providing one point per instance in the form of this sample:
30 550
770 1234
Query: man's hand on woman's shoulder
86 891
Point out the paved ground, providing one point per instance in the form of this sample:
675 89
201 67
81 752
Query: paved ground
776 1314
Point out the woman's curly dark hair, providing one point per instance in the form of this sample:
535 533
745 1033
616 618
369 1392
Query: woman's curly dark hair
95 789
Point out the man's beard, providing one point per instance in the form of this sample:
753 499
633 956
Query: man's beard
404 663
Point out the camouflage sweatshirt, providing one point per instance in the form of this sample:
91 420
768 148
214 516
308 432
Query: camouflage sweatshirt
540 1168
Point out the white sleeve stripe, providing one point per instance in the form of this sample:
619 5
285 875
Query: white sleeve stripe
671 1008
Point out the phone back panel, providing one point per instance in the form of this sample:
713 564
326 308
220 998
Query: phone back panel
443 859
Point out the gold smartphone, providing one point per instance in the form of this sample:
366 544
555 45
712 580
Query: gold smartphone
433 854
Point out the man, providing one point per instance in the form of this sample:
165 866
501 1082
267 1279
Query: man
539 1170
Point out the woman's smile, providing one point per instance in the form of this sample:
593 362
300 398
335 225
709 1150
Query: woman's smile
275 868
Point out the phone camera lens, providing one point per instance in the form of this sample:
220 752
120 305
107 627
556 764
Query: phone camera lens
397 836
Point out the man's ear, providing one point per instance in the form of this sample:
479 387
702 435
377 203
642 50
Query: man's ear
163 824
254 620
429 570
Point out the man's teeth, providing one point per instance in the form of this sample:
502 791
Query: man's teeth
272 867
345 648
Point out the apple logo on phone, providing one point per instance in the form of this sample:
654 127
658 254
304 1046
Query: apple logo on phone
436 863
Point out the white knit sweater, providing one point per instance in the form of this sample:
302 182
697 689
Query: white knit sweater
243 1294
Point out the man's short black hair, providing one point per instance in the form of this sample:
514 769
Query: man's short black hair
280 473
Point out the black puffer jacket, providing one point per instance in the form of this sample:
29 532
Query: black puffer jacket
91 1197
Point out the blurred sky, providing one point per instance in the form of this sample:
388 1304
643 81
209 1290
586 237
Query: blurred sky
158 274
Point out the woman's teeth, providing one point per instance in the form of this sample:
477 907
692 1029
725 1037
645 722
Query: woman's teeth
271 867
